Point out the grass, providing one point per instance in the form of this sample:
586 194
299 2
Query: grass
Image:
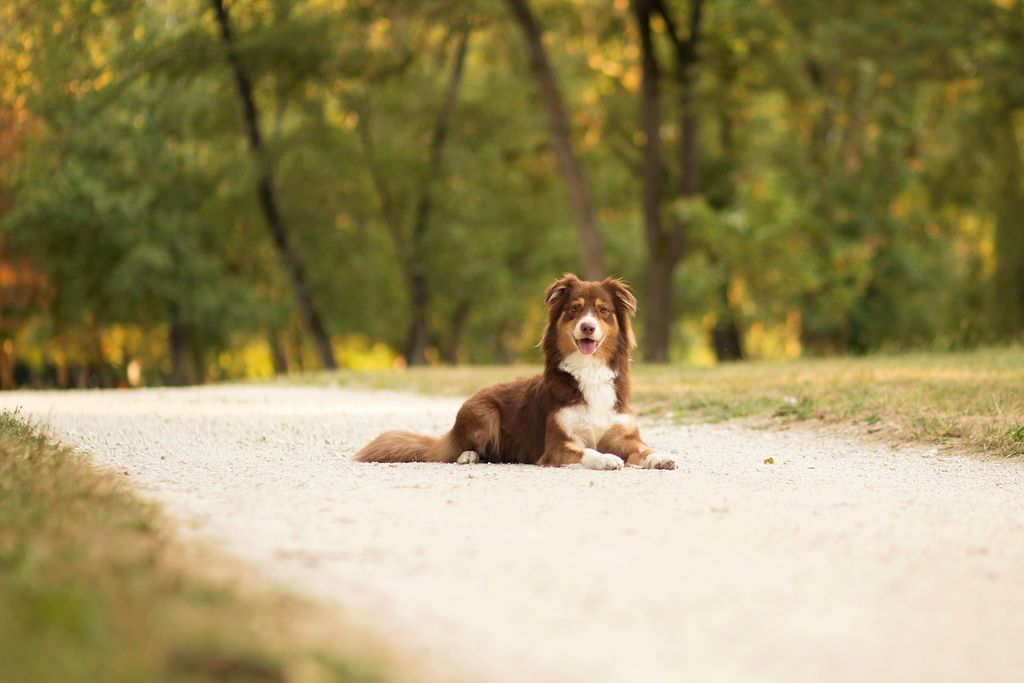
93 587
972 401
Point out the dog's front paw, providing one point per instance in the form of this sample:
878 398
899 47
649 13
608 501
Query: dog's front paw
658 461
468 458
596 460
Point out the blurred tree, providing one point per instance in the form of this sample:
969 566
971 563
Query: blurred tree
666 235
817 180
268 195
591 259
410 243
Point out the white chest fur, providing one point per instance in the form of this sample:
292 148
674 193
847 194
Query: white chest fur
588 421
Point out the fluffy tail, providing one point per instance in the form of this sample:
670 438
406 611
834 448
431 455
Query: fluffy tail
407 447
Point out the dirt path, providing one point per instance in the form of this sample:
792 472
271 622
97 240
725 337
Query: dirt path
840 562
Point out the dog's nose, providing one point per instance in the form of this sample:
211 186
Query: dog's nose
587 328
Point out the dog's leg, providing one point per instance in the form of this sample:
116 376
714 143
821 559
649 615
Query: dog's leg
468 458
563 450
623 439
476 434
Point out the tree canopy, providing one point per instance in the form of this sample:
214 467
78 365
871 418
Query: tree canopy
357 182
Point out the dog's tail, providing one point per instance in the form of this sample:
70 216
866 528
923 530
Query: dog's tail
408 447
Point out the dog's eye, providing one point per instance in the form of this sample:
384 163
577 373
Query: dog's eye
575 309
603 311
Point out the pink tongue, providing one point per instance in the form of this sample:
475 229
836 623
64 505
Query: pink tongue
587 346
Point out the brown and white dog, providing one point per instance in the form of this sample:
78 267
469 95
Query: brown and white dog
575 414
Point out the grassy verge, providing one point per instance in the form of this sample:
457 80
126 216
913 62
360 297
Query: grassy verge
94 588
972 401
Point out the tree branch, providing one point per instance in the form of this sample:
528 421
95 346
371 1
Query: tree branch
267 194
670 24
392 221
580 201
437 142
650 125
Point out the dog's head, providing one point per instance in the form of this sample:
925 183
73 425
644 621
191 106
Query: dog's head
590 318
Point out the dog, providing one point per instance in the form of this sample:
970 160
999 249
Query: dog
575 414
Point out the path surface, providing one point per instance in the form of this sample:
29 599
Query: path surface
839 562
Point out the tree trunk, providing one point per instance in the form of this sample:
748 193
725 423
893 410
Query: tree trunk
580 201
726 338
726 335
665 245
268 197
63 375
180 374
1009 238
456 328
277 354
658 299
7 361
82 376
418 337
658 309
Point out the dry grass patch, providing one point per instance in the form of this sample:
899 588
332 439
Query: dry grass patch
94 588
972 401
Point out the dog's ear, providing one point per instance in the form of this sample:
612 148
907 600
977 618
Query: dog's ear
623 295
559 288
625 306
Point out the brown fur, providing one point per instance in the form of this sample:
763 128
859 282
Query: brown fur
515 422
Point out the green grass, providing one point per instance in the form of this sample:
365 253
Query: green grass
93 587
973 401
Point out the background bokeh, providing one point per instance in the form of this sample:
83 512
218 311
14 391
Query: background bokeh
365 183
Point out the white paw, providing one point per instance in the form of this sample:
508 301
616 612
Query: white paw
596 460
468 458
658 461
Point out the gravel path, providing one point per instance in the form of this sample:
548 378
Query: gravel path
839 562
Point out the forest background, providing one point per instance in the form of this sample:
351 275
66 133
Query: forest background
193 190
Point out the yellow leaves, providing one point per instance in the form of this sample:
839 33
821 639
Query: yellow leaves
102 80
622 68
139 33
606 66
339 117
377 37
631 79
773 340
886 79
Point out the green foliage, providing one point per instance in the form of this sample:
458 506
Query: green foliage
860 164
